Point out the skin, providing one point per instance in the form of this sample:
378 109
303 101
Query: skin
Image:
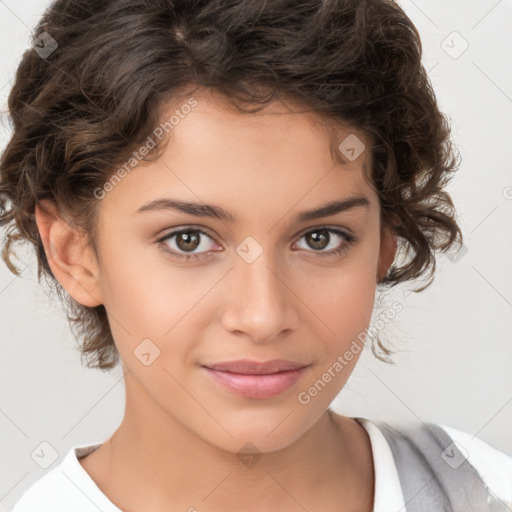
177 445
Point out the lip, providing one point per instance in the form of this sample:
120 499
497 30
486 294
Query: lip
253 379
250 367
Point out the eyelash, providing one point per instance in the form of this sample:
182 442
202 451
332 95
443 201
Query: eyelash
349 240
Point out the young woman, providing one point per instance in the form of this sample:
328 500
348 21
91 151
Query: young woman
217 189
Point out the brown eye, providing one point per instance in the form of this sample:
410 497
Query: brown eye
184 244
187 240
318 239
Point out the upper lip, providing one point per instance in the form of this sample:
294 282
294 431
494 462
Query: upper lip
249 367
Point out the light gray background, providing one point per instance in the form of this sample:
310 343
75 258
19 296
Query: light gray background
455 360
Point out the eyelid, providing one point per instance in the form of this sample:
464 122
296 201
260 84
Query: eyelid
347 235
186 227
202 229
346 231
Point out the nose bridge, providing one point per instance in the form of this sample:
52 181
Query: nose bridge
259 302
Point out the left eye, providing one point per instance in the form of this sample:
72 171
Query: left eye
321 239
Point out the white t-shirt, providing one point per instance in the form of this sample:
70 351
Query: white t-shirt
69 488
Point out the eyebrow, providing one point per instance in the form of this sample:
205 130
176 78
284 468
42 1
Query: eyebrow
216 212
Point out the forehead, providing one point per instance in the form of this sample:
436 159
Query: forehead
293 123
275 156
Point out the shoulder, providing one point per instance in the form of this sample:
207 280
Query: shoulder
66 487
464 465
493 466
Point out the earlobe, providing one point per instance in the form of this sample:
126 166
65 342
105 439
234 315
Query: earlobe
387 253
73 263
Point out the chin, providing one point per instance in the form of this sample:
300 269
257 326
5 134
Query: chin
267 433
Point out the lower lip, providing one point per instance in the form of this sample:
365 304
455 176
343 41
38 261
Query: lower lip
257 386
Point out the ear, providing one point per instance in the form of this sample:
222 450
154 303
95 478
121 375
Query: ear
388 246
73 264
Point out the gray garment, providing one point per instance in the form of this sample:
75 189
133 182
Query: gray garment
434 474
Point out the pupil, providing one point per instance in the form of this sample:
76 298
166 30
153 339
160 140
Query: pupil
189 239
317 236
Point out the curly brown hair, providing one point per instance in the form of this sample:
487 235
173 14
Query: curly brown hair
78 112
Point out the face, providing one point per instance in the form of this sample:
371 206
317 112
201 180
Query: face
189 288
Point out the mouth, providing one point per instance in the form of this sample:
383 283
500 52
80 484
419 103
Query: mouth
257 380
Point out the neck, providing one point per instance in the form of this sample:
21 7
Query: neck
153 455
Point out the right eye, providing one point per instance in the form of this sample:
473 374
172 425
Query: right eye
184 241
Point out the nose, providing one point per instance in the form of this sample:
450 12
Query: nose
261 304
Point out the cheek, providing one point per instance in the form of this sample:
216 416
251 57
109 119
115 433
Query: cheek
147 294
343 296
345 313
